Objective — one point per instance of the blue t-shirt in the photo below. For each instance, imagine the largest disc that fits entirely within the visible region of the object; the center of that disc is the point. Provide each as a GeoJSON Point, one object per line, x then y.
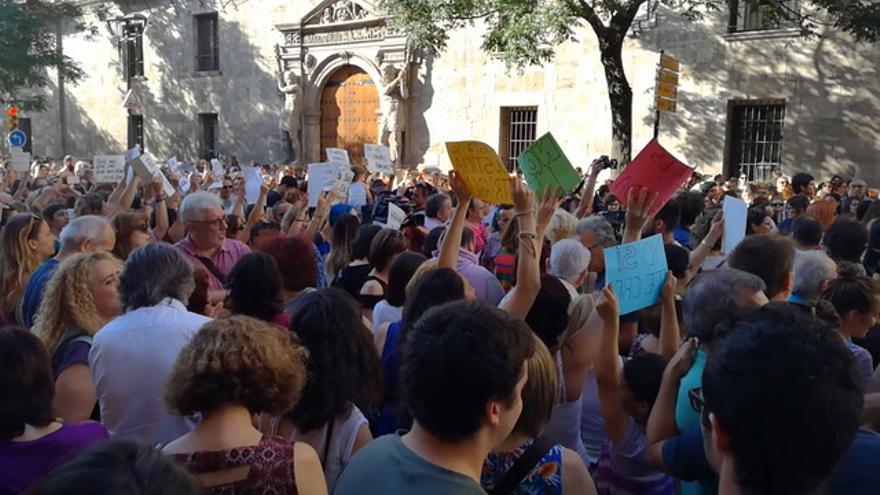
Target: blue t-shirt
{"type": "Point", "coordinates": [682, 235]}
{"type": "Point", "coordinates": [33, 294]}
{"type": "Point", "coordinates": [685, 416]}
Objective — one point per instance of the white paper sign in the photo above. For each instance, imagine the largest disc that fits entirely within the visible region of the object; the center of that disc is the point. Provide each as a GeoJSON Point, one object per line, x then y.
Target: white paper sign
{"type": "Point", "coordinates": [109, 169]}
{"type": "Point", "coordinates": [146, 169]}
{"type": "Point", "coordinates": [72, 180]}
{"type": "Point", "coordinates": [173, 166]}
{"type": "Point", "coordinates": [253, 180]}
{"type": "Point", "coordinates": [396, 216]}
{"type": "Point", "coordinates": [338, 155]}
{"type": "Point", "coordinates": [19, 161]}
{"type": "Point", "coordinates": [343, 185]}
{"type": "Point", "coordinates": [322, 177]}
{"type": "Point", "coordinates": [735, 214]}
{"type": "Point", "coordinates": [184, 184]}
{"type": "Point", "coordinates": [217, 169]}
{"type": "Point", "coordinates": [378, 159]}
{"type": "Point", "coordinates": [132, 153]}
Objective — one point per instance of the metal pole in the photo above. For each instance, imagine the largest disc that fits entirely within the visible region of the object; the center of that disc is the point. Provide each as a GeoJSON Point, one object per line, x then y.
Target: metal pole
{"type": "Point", "coordinates": [656, 107]}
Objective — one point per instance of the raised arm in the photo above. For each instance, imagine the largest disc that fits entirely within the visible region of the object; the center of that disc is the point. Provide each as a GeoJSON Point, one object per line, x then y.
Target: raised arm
{"type": "Point", "coordinates": [670, 332]}
{"type": "Point", "coordinates": [322, 210]}
{"type": "Point", "coordinates": [586, 205]}
{"type": "Point", "coordinates": [638, 208]}
{"type": "Point", "coordinates": [661, 423]}
{"type": "Point", "coordinates": [124, 203]}
{"type": "Point", "coordinates": [116, 195]}
{"type": "Point", "coordinates": [608, 367]}
{"type": "Point", "coordinates": [161, 209]}
{"type": "Point", "coordinates": [448, 257]}
{"type": "Point", "coordinates": [256, 213]}
{"type": "Point", "coordinates": [528, 254]}
{"type": "Point", "coordinates": [699, 255]}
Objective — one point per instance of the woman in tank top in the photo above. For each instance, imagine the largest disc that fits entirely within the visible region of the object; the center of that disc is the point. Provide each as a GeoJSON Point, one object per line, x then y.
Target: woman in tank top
{"type": "Point", "coordinates": [387, 244]}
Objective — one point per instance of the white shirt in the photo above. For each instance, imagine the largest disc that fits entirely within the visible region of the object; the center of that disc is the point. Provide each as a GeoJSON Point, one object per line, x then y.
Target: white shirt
{"type": "Point", "coordinates": [385, 313]}
{"type": "Point", "coordinates": [130, 360]}
{"type": "Point", "coordinates": [432, 223]}
{"type": "Point", "coordinates": [357, 194]}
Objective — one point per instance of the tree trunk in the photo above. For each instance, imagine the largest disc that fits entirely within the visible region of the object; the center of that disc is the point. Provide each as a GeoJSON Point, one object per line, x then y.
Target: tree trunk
{"type": "Point", "coordinates": [619, 97]}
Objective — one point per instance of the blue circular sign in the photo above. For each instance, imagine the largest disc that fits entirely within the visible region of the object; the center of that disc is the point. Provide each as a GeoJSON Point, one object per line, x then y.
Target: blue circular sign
{"type": "Point", "coordinates": [17, 139]}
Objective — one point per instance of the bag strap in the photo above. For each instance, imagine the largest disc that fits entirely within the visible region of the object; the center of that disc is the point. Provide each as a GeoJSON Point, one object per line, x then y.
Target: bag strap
{"type": "Point", "coordinates": [211, 267]}
{"type": "Point", "coordinates": [327, 438]}
{"type": "Point", "coordinates": [522, 466]}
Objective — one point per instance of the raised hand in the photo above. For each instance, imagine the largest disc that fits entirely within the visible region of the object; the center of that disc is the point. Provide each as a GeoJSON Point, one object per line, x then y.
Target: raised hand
{"type": "Point", "coordinates": [608, 307]}
{"type": "Point", "coordinates": [550, 199]}
{"type": "Point", "coordinates": [667, 293]}
{"type": "Point", "coordinates": [523, 197]}
{"type": "Point", "coordinates": [459, 188]}
{"type": "Point", "coordinates": [683, 359]}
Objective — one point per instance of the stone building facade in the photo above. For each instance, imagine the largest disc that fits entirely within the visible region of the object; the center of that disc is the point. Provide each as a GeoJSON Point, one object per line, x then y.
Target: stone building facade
{"type": "Point", "coordinates": [750, 97]}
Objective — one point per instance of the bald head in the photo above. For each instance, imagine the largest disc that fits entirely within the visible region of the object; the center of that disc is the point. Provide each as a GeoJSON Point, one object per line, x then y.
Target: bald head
{"type": "Point", "coordinates": [88, 233]}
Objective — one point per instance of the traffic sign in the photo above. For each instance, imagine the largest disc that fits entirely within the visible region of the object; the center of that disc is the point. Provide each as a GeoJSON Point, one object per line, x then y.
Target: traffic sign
{"type": "Point", "coordinates": [664, 105]}
{"type": "Point", "coordinates": [17, 139]}
{"type": "Point", "coordinates": [666, 90]}
{"type": "Point", "coordinates": [669, 77]}
{"type": "Point", "coordinates": [132, 101]}
{"type": "Point", "coordinates": [667, 62]}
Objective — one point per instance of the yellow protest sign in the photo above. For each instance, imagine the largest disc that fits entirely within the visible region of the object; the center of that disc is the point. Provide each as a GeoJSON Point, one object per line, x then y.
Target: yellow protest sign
{"type": "Point", "coordinates": [481, 170]}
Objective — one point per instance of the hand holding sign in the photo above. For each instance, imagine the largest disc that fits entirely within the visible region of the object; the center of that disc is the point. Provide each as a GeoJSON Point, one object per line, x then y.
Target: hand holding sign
{"type": "Point", "coordinates": [657, 170]}
{"type": "Point", "coordinates": [109, 169]}
{"type": "Point", "coordinates": [481, 170]}
{"type": "Point", "coordinates": [637, 271]}
{"type": "Point", "coordinates": [544, 164]}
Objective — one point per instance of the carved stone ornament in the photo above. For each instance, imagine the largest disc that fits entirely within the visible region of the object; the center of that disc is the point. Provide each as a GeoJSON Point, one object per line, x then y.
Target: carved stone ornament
{"type": "Point", "coordinates": [342, 11]}
{"type": "Point", "coordinates": [291, 38]}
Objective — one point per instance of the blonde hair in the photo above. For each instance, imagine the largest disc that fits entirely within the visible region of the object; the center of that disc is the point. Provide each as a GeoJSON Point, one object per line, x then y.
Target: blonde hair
{"type": "Point", "coordinates": [421, 271]}
{"type": "Point", "coordinates": [16, 257]}
{"type": "Point", "coordinates": [540, 391]}
{"type": "Point", "coordinates": [579, 311]}
{"type": "Point", "coordinates": [562, 225]}
{"type": "Point", "coordinates": [67, 301]}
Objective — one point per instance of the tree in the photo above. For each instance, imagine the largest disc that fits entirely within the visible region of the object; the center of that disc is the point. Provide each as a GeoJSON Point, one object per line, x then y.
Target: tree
{"type": "Point", "coordinates": [525, 32]}
{"type": "Point", "coordinates": [29, 49]}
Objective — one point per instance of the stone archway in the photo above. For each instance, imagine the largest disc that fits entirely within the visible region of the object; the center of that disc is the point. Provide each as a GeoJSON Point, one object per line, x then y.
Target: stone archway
{"type": "Point", "coordinates": [349, 105]}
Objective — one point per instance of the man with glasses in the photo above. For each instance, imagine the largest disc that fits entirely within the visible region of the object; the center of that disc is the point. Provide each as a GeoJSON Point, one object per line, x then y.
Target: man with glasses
{"type": "Point", "coordinates": [853, 201]}
{"type": "Point", "coordinates": [205, 245]}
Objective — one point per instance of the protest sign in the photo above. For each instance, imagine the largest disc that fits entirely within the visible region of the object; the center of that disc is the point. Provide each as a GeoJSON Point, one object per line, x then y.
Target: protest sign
{"type": "Point", "coordinates": [637, 271]}
{"type": "Point", "coordinates": [109, 169]}
{"type": "Point", "coordinates": [173, 166]}
{"type": "Point", "coordinates": [735, 214]}
{"type": "Point", "coordinates": [184, 184]}
{"type": "Point", "coordinates": [545, 165]}
{"type": "Point", "coordinates": [337, 155]}
{"type": "Point", "coordinates": [653, 168]}
{"type": "Point", "coordinates": [378, 159]}
{"type": "Point", "coordinates": [323, 177]}
{"type": "Point", "coordinates": [20, 161]}
{"type": "Point", "coordinates": [253, 181]}
{"type": "Point", "coordinates": [481, 170]}
{"type": "Point", "coordinates": [132, 153]}
{"type": "Point", "coordinates": [217, 169]}
{"type": "Point", "coordinates": [145, 168]}
{"type": "Point", "coordinates": [396, 216]}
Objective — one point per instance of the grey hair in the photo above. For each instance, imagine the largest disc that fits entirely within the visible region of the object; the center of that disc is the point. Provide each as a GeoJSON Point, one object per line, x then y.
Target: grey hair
{"type": "Point", "coordinates": [568, 259]}
{"type": "Point", "coordinates": [715, 296]}
{"type": "Point", "coordinates": [811, 269]}
{"type": "Point", "coordinates": [562, 225]}
{"type": "Point", "coordinates": [85, 228]}
{"type": "Point", "coordinates": [600, 226]}
{"type": "Point", "coordinates": [198, 201]}
{"type": "Point", "coordinates": [155, 272]}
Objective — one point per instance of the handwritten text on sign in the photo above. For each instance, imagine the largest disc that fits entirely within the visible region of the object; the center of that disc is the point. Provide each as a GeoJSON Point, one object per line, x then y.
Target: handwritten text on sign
{"type": "Point", "coordinates": [109, 169]}
{"type": "Point", "coordinates": [653, 168]}
{"type": "Point", "coordinates": [481, 170]}
{"type": "Point", "coordinates": [637, 271]}
{"type": "Point", "coordinates": [544, 164]}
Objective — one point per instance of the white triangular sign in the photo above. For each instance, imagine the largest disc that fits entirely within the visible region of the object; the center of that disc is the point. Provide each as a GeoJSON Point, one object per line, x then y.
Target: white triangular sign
{"type": "Point", "coordinates": [132, 101]}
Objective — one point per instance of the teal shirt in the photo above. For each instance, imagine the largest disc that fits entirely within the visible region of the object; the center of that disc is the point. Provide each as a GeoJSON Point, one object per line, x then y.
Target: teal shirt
{"type": "Point", "coordinates": [685, 416]}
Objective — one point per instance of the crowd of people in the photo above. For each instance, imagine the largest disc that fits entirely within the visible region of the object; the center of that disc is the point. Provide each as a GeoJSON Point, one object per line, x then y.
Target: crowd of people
{"type": "Point", "coordinates": [202, 343]}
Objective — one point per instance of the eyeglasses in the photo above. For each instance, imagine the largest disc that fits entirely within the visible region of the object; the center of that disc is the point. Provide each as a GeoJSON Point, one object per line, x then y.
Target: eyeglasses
{"type": "Point", "coordinates": [218, 222]}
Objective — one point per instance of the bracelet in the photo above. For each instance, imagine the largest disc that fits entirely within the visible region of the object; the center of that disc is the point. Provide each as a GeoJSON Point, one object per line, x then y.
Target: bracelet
{"type": "Point", "coordinates": [531, 237]}
{"type": "Point", "coordinates": [528, 234]}
{"type": "Point", "coordinates": [524, 213]}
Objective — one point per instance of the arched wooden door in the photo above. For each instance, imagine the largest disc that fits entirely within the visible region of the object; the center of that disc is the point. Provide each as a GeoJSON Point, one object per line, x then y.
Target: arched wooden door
{"type": "Point", "coordinates": [349, 104]}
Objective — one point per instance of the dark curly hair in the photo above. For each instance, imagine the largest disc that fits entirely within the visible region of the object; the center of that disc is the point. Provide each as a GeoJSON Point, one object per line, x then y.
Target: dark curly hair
{"type": "Point", "coordinates": [238, 360]}
{"type": "Point", "coordinates": [344, 366]}
{"type": "Point", "coordinates": [296, 261]}
{"type": "Point", "coordinates": [254, 286]}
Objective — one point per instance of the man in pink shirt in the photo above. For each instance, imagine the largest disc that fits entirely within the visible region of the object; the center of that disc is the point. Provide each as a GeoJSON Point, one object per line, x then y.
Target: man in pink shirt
{"type": "Point", "coordinates": [206, 246]}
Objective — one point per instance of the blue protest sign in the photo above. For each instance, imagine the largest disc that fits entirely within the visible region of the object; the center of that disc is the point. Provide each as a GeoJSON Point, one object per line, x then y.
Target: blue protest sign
{"type": "Point", "coordinates": [636, 271]}
{"type": "Point", "coordinates": [17, 138]}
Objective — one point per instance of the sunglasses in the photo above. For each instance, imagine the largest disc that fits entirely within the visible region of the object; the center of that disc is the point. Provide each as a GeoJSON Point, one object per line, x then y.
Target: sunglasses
{"type": "Point", "coordinates": [698, 404]}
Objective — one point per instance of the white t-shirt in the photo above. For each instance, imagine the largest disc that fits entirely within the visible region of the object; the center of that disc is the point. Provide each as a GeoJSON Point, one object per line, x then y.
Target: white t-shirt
{"type": "Point", "coordinates": [385, 313]}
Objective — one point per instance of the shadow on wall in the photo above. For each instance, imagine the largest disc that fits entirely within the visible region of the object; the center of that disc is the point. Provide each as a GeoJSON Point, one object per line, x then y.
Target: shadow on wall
{"type": "Point", "coordinates": [84, 137]}
{"type": "Point", "coordinates": [421, 98]}
{"type": "Point", "coordinates": [243, 93]}
{"type": "Point", "coordinates": [830, 86]}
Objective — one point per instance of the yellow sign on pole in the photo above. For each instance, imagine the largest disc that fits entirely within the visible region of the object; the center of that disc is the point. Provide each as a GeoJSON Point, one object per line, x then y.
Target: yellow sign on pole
{"type": "Point", "coordinates": [667, 62]}
{"type": "Point", "coordinates": [667, 90]}
{"type": "Point", "coordinates": [664, 105]}
{"type": "Point", "coordinates": [668, 77]}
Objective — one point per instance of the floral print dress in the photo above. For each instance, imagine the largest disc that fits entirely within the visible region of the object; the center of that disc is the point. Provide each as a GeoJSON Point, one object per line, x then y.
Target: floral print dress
{"type": "Point", "coordinates": [544, 479]}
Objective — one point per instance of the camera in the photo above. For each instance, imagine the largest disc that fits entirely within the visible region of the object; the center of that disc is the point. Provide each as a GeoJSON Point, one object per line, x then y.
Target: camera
{"type": "Point", "coordinates": [607, 163]}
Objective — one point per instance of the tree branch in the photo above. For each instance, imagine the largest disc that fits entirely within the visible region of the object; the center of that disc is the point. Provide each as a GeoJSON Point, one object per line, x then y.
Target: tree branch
{"type": "Point", "coordinates": [587, 11]}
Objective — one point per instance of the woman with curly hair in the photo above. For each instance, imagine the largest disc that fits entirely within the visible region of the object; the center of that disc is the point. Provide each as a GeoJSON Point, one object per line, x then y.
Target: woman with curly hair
{"type": "Point", "coordinates": [25, 243]}
{"type": "Point", "coordinates": [344, 376]}
{"type": "Point", "coordinates": [231, 370]}
{"type": "Point", "coordinates": [81, 297]}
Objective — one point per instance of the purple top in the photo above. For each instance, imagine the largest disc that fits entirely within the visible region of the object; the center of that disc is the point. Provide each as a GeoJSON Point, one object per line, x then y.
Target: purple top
{"type": "Point", "coordinates": [224, 259]}
{"type": "Point", "coordinates": [485, 284]}
{"type": "Point", "coordinates": [624, 467]}
{"type": "Point", "coordinates": [69, 353]}
{"type": "Point", "coordinates": [24, 463]}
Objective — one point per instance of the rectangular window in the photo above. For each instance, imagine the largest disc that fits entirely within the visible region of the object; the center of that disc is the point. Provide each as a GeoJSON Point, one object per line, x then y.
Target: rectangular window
{"type": "Point", "coordinates": [136, 131]}
{"type": "Point", "coordinates": [519, 129]}
{"type": "Point", "coordinates": [754, 130]}
{"type": "Point", "coordinates": [210, 135]}
{"type": "Point", "coordinates": [134, 49]}
{"type": "Point", "coordinates": [24, 125]}
{"type": "Point", "coordinates": [748, 15]}
{"type": "Point", "coordinates": [207, 42]}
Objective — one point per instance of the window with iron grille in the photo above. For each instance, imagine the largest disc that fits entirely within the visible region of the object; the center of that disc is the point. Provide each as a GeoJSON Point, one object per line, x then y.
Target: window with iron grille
{"type": "Point", "coordinates": [754, 130]}
{"type": "Point", "coordinates": [210, 135]}
{"type": "Point", "coordinates": [136, 131]}
{"type": "Point", "coordinates": [207, 42]}
{"type": "Point", "coordinates": [754, 15]}
{"type": "Point", "coordinates": [519, 129]}
{"type": "Point", "coordinates": [134, 49]}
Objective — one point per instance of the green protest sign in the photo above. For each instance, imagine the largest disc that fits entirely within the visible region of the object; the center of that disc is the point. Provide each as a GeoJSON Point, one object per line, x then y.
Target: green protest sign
{"type": "Point", "coordinates": [544, 164]}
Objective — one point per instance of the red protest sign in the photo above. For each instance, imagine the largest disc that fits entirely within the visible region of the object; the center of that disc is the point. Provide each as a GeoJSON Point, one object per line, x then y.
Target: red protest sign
{"type": "Point", "coordinates": [655, 169]}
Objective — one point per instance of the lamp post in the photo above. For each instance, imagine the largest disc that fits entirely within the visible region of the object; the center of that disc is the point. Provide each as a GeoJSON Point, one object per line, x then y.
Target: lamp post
{"type": "Point", "coordinates": [127, 29]}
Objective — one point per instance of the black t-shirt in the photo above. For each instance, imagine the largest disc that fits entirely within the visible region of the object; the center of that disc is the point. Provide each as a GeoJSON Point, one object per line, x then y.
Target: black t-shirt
{"type": "Point", "coordinates": [272, 198]}
{"type": "Point", "coordinates": [352, 278]}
